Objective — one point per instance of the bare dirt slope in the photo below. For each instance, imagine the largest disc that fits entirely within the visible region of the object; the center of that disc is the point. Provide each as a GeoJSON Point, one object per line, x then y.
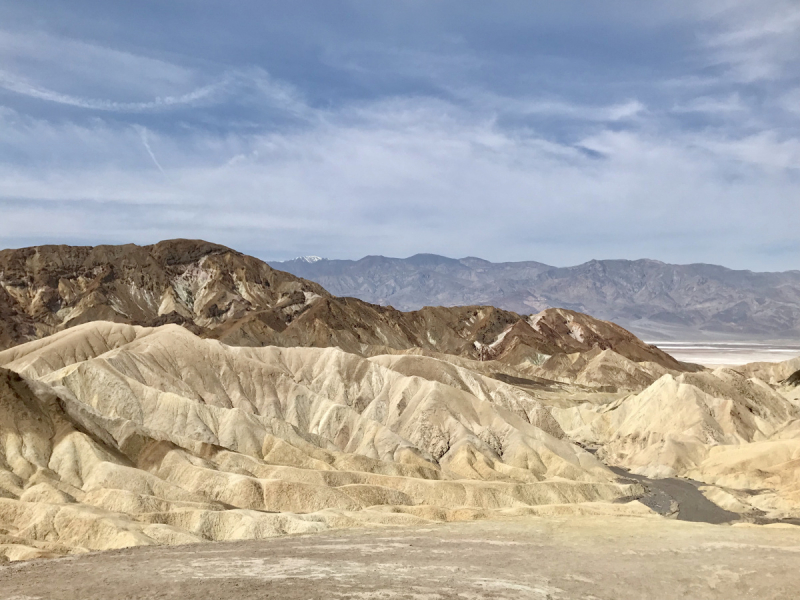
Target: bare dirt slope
{"type": "Point", "coordinates": [259, 405]}
{"type": "Point", "coordinates": [571, 558]}
{"type": "Point", "coordinates": [734, 430]}
{"type": "Point", "coordinates": [116, 436]}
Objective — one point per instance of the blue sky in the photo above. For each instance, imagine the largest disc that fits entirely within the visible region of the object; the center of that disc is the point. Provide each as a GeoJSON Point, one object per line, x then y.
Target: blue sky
{"type": "Point", "coordinates": [557, 132]}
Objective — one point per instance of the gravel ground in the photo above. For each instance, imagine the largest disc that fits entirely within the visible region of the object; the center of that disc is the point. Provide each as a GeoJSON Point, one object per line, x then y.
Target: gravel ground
{"type": "Point", "coordinates": [587, 558]}
{"type": "Point", "coordinates": [679, 496]}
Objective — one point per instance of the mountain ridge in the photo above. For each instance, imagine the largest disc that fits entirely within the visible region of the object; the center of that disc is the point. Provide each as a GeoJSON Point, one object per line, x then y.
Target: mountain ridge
{"type": "Point", "coordinates": [649, 297]}
{"type": "Point", "coordinates": [219, 293]}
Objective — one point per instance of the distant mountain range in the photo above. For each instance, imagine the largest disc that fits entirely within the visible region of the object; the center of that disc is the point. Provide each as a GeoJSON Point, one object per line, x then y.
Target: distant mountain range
{"type": "Point", "coordinates": [653, 299]}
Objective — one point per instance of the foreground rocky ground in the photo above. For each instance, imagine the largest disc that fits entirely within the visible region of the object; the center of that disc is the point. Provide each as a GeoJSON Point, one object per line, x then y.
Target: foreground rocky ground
{"type": "Point", "coordinates": [553, 558]}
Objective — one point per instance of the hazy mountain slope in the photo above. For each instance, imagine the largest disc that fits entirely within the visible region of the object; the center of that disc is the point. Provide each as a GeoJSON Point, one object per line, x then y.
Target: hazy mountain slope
{"type": "Point", "coordinates": [222, 294]}
{"type": "Point", "coordinates": [649, 297]}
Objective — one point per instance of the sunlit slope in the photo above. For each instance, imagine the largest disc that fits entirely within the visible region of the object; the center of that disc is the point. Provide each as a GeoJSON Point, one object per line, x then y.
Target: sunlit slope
{"type": "Point", "coordinates": [116, 435]}
{"type": "Point", "coordinates": [726, 428]}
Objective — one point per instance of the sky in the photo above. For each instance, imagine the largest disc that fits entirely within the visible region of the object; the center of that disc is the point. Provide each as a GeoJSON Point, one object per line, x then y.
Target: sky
{"type": "Point", "coordinates": [512, 130]}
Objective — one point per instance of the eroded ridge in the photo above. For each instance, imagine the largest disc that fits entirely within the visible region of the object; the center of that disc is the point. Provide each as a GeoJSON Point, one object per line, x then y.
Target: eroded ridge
{"type": "Point", "coordinates": [117, 435]}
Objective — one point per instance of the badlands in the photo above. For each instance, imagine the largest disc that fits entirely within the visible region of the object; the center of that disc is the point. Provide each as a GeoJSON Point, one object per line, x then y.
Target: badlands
{"type": "Point", "coordinates": [183, 393]}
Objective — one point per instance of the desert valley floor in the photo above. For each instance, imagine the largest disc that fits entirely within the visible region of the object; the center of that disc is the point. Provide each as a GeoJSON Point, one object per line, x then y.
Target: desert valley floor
{"type": "Point", "coordinates": [534, 558]}
{"type": "Point", "coordinates": [713, 354]}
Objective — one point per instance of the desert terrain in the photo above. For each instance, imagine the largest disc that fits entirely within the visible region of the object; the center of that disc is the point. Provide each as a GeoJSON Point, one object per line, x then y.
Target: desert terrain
{"type": "Point", "coordinates": [183, 393]}
{"type": "Point", "coordinates": [400, 300]}
{"type": "Point", "coordinates": [535, 558]}
{"type": "Point", "coordinates": [730, 353]}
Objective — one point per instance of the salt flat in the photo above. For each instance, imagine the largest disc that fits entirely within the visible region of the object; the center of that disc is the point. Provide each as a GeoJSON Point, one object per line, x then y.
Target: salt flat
{"type": "Point", "coordinates": [730, 353]}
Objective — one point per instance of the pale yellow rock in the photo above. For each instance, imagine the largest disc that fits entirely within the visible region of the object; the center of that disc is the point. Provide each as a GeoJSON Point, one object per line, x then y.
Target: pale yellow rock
{"type": "Point", "coordinates": [117, 436]}
{"type": "Point", "coordinates": [727, 428]}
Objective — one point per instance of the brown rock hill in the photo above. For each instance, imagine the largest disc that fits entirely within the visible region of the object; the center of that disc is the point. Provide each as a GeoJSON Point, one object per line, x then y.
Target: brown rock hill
{"type": "Point", "coordinates": [222, 294]}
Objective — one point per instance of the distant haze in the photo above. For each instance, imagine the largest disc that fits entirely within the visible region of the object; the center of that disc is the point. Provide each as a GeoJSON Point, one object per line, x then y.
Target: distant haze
{"type": "Point", "coordinates": [655, 300]}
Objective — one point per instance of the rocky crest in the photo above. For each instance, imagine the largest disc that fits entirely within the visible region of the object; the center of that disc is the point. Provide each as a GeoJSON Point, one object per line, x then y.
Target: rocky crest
{"type": "Point", "coordinates": [222, 294]}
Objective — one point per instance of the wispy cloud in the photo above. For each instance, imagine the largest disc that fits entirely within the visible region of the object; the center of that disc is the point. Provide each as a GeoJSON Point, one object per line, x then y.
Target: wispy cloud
{"type": "Point", "coordinates": [348, 184]}
{"type": "Point", "coordinates": [532, 105]}
{"type": "Point", "coordinates": [458, 136]}
{"type": "Point", "coordinates": [46, 67]}
{"type": "Point", "coordinates": [755, 39]}
{"type": "Point", "coordinates": [143, 135]}
{"type": "Point", "coordinates": [712, 105]}
{"type": "Point", "coordinates": [227, 87]}
{"type": "Point", "coordinates": [19, 86]}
